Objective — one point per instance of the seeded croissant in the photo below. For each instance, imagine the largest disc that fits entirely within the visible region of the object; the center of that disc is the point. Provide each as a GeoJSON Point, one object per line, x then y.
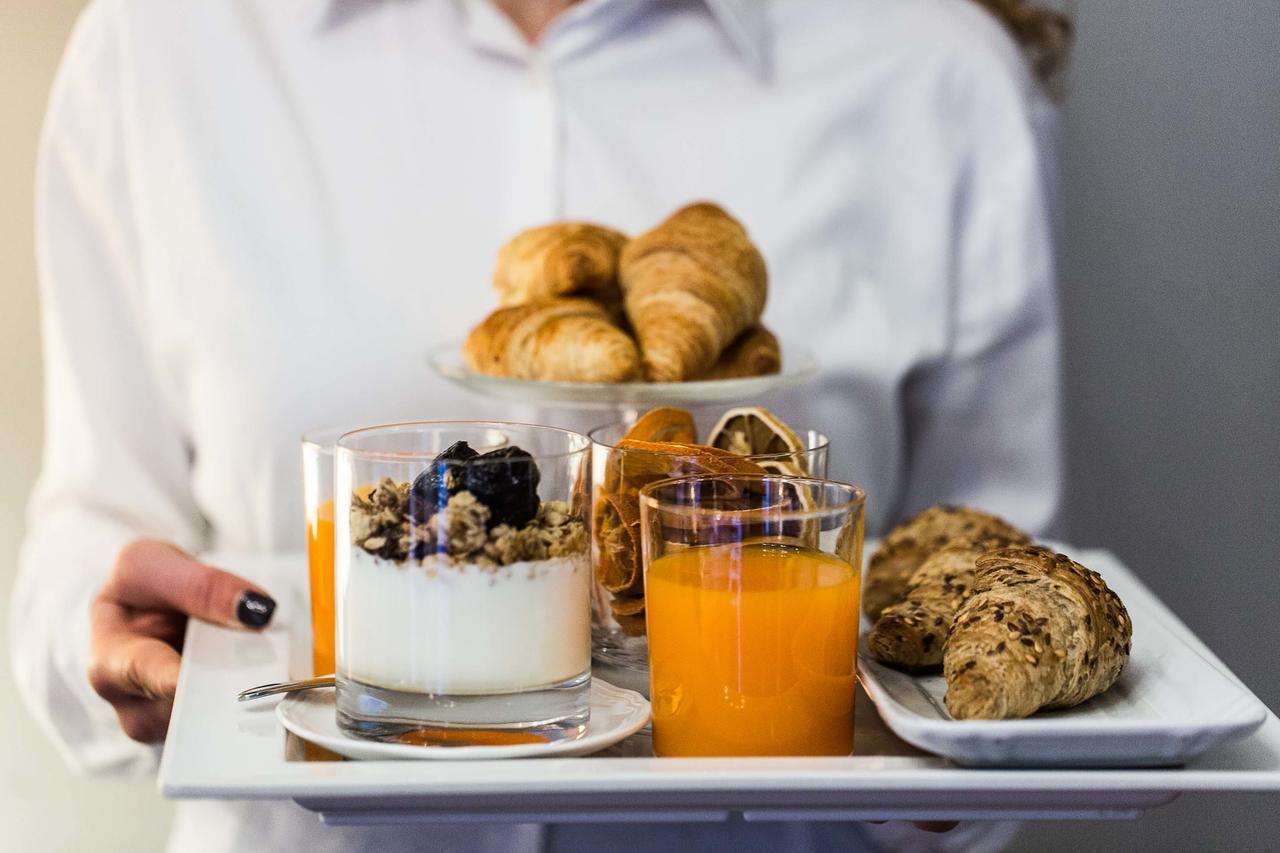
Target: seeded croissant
{"type": "Point", "coordinates": [561, 259]}
{"type": "Point", "coordinates": [911, 632]}
{"type": "Point", "coordinates": [564, 340]}
{"type": "Point", "coordinates": [910, 543]}
{"type": "Point", "coordinates": [1039, 632]}
{"type": "Point", "coordinates": [690, 287]}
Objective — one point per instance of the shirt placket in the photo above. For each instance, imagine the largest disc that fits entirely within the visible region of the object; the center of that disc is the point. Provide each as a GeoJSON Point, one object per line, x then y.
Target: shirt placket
{"type": "Point", "coordinates": [532, 149]}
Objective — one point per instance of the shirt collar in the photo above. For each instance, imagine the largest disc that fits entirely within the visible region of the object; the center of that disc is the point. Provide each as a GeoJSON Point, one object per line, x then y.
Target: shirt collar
{"type": "Point", "coordinates": [744, 22]}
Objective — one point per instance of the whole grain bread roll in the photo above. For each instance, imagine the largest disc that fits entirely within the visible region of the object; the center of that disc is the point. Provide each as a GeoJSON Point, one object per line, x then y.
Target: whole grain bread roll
{"type": "Point", "coordinates": [1040, 631]}
{"type": "Point", "coordinates": [911, 632]}
{"type": "Point", "coordinates": [912, 542]}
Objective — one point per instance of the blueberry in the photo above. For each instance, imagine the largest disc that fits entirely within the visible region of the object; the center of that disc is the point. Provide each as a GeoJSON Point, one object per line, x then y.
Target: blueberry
{"type": "Point", "coordinates": [439, 481]}
{"type": "Point", "coordinates": [459, 451]}
{"type": "Point", "coordinates": [506, 481]}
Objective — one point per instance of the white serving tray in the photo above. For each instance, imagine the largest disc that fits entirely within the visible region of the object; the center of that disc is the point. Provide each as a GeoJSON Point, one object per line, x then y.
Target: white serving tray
{"type": "Point", "coordinates": [1173, 702]}
{"type": "Point", "coordinates": [218, 748]}
{"type": "Point", "coordinates": [798, 365]}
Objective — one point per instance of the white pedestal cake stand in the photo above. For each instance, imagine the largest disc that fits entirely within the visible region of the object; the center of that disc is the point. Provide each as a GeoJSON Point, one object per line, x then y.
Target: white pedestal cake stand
{"type": "Point", "coordinates": [621, 398]}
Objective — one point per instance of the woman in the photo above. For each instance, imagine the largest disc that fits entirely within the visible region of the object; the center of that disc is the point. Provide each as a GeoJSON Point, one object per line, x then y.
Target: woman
{"type": "Point", "coordinates": [256, 218]}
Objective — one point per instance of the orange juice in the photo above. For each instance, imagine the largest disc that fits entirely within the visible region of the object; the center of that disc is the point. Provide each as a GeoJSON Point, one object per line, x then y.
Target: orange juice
{"type": "Point", "coordinates": [751, 651]}
{"type": "Point", "coordinates": [320, 561]}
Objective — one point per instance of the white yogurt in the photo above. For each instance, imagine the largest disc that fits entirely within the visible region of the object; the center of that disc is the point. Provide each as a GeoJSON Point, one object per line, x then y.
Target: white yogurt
{"type": "Point", "coordinates": [461, 629]}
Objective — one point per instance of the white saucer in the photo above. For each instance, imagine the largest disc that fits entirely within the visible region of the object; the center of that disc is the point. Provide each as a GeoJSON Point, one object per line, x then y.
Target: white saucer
{"type": "Point", "coordinates": [615, 714]}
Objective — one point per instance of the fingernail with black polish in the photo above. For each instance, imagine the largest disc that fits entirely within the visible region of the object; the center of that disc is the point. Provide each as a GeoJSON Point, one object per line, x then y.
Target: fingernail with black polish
{"type": "Point", "coordinates": [255, 609]}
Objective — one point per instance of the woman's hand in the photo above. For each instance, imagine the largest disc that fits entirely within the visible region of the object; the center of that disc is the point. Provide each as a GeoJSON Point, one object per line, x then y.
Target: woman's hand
{"type": "Point", "coordinates": [137, 622]}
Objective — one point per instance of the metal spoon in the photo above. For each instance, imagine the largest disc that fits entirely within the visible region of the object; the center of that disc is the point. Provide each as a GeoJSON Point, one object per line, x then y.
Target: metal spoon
{"type": "Point", "coordinates": [285, 687]}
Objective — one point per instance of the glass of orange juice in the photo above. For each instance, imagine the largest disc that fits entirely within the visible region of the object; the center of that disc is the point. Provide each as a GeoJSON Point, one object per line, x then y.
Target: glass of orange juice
{"type": "Point", "coordinates": [751, 600]}
{"type": "Point", "coordinates": [317, 499]}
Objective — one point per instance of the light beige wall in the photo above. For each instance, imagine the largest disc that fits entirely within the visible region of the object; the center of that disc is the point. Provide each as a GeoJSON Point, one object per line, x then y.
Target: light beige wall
{"type": "Point", "coordinates": [43, 806]}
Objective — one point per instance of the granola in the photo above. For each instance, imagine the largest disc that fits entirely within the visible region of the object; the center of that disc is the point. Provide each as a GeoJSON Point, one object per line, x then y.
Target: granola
{"type": "Point", "coordinates": [383, 525]}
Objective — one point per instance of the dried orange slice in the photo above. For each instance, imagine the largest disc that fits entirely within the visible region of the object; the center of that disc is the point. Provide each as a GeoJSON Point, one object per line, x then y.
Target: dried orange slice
{"type": "Point", "coordinates": [756, 431]}
{"type": "Point", "coordinates": [632, 626]}
{"type": "Point", "coordinates": [783, 467]}
{"type": "Point", "coordinates": [634, 465]}
{"type": "Point", "coordinates": [646, 461]}
{"type": "Point", "coordinates": [618, 544]}
{"type": "Point", "coordinates": [665, 423]}
{"type": "Point", "coordinates": [627, 606]}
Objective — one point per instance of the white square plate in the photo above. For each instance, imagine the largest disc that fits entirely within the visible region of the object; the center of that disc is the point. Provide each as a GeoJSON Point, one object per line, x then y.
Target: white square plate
{"type": "Point", "coordinates": [1173, 702]}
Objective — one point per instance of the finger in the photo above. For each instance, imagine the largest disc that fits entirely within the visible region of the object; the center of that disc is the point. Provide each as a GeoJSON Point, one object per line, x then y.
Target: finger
{"type": "Point", "coordinates": [111, 616]}
{"type": "Point", "coordinates": [108, 633]}
{"type": "Point", "coordinates": [155, 575]}
{"type": "Point", "coordinates": [166, 625]}
{"type": "Point", "coordinates": [145, 720]}
{"type": "Point", "coordinates": [129, 667]}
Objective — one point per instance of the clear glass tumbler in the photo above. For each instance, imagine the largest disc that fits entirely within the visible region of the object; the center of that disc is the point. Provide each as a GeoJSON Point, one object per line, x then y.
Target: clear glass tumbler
{"type": "Point", "coordinates": [618, 623]}
{"type": "Point", "coordinates": [317, 500]}
{"type": "Point", "coordinates": [752, 587]}
{"type": "Point", "coordinates": [463, 582]}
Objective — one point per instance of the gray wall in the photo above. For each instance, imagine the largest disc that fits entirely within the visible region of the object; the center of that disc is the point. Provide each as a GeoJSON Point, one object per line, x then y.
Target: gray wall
{"type": "Point", "coordinates": [1171, 300]}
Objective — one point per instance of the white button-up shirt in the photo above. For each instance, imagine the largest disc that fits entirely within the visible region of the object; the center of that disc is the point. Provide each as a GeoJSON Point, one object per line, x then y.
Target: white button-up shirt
{"type": "Point", "coordinates": [258, 217]}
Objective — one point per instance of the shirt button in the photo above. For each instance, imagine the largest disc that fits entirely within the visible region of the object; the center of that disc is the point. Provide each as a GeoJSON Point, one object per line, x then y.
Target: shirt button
{"type": "Point", "coordinates": [538, 73]}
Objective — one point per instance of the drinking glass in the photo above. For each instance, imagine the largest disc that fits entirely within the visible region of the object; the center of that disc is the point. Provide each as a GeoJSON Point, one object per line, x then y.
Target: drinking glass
{"type": "Point", "coordinates": [618, 623]}
{"type": "Point", "coordinates": [752, 587]}
{"type": "Point", "coordinates": [463, 582]}
{"type": "Point", "coordinates": [317, 500]}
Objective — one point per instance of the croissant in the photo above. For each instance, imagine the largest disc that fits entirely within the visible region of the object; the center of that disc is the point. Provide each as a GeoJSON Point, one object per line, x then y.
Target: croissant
{"type": "Point", "coordinates": [1039, 632]}
{"type": "Point", "coordinates": [690, 286]}
{"type": "Point", "coordinates": [565, 340]}
{"type": "Point", "coordinates": [911, 542]}
{"type": "Point", "coordinates": [753, 353]}
{"type": "Point", "coordinates": [558, 260]}
{"type": "Point", "coordinates": [911, 632]}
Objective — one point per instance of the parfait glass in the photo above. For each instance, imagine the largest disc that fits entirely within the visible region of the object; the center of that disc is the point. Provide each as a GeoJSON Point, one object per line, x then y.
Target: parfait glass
{"type": "Point", "coordinates": [463, 582]}
{"type": "Point", "coordinates": [752, 586]}
{"type": "Point", "coordinates": [618, 592]}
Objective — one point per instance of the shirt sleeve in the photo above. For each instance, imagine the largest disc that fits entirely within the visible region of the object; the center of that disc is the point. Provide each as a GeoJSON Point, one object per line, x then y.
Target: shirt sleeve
{"type": "Point", "coordinates": [115, 465]}
{"type": "Point", "coordinates": [984, 418]}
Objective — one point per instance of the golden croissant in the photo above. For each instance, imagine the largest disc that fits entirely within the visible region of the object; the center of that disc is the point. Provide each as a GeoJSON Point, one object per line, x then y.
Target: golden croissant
{"type": "Point", "coordinates": [691, 286]}
{"type": "Point", "coordinates": [754, 353]}
{"type": "Point", "coordinates": [1040, 631]}
{"type": "Point", "coordinates": [564, 340]}
{"type": "Point", "coordinates": [558, 260]}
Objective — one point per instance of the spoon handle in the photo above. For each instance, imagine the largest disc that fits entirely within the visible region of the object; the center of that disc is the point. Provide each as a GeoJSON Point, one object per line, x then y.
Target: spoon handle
{"type": "Point", "coordinates": [285, 687]}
